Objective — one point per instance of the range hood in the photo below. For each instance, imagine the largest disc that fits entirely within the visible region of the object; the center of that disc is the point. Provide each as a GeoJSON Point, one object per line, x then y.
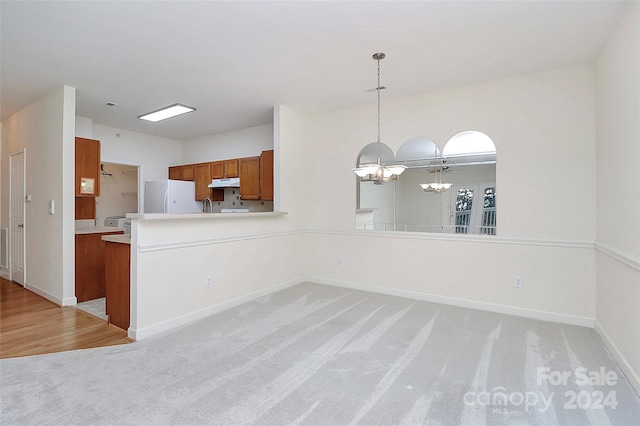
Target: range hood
{"type": "Point", "coordinates": [225, 183]}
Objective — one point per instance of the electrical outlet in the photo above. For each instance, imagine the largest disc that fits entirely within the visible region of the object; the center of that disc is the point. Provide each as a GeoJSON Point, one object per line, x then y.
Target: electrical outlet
{"type": "Point", "coordinates": [207, 282]}
{"type": "Point", "coordinates": [339, 260]}
{"type": "Point", "coordinates": [517, 282]}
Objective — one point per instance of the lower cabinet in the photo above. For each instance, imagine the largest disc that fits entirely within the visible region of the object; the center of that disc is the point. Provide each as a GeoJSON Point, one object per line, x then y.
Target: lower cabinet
{"type": "Point", "coordinates": [117, 269]}
{"type": "Point", "coordinates": [90, 266]}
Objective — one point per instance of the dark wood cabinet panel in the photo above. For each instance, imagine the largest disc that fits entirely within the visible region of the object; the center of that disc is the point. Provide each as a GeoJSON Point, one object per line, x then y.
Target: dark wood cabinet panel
{"type": "Point", "coordinates": [203, 179]}
{"type": "Point", "coordinates": [175, 173]}
{"type": "Point", "coordinates": [249, 178]}
{"type": "Point", "coordinates": [231, 168]}
{"type": "Point", "coordinates": [224, 169]}
{"type": "Point", "coordinates": [182, 172]}
{"type": "Point", "coordinates": [266, 175]}
{"type": "Point", "coordinates": [217, 169]}
{"type": "Point", "coordinates": [87, 167]}
{"type": "Point", "coordinates": [117, 260]}
{"type": "Point", "coordinates": [85, 208]}
{"type": "Point", "coordinates": [90, 266]}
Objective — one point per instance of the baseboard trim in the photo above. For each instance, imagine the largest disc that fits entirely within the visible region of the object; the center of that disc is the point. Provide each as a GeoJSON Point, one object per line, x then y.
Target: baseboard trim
{"type": "Point", "coordinates": [627, 369]}
{"type": "Point", "coordinates": [50, 297]}
{"type": "Point", "coordinates": [4, 274]}
{"type": "Point", "coordinates": [463, 303]}
{"type": "Point", "coordinates": [174, 323]}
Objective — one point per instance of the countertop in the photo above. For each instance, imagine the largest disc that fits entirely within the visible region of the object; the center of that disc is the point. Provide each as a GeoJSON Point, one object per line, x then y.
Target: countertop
{"type": "Point", "coordinates": [99, 230]}
{"type": "Point", "coordinates": [119, 238]}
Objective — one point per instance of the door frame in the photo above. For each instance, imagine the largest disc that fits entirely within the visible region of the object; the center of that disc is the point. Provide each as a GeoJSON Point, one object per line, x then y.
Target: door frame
{"type": "Point", "coordinates": [11, 243]}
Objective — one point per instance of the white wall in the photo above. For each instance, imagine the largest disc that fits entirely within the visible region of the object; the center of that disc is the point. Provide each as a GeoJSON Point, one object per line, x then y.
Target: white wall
{"type": "Point", "coordinates": [118, 192]}
{"type": "Point", "coordinates": [543, 128]}
{"type": "Point", "coordinates": [618, 185]}
{"type": "Point", "coordinates": [153, 154]}
{"type": "Point", "coordinates": [248, 142]}
{"type": "Point", "coordinates": [46, 130]}
{"type": "Point", "coordinates": [245, 255]}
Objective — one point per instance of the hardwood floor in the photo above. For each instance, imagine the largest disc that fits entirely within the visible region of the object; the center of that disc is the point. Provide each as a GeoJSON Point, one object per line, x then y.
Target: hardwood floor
{"type": "Point", "coordinates": [32, 325]}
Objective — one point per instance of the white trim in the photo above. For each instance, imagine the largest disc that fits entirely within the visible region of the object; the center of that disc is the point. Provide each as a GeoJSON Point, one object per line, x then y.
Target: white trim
{"type": "Point", "coordinates": [618, 255]}
{"type": "Point", "coordinates": [211, 241]}
{"type": "Point", "coordinates": [173, 323]}
{"type": "Point", "coordinates": [464, 303]}
{"type": "Point", "coordinates": [627, 369]}
{"type": "Point", "coordinates": [5, 274]}
{"type": "Point", "coordinates": [50, 297]}
{"type": "Point", "coordinates": [388, 234]}
{"type": "Point", "coordinates": [488, 239]}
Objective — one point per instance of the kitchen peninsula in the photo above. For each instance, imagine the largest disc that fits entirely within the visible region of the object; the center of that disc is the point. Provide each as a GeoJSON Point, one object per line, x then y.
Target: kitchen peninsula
{"type": "Point", "coordinates": [187, 266]}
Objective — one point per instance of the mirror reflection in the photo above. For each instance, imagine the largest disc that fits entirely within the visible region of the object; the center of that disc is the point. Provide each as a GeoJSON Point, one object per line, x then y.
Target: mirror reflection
{"type": "Point", "coordinates": [448, 191]}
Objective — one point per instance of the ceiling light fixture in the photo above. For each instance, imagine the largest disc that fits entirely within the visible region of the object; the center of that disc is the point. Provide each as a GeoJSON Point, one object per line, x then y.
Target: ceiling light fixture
{"type": "Point", "coordinates": [166, 112]}
{"type": "Point", "coordinates": [378, 172]}
{"type": "Point", "coordinates": [437, 186]}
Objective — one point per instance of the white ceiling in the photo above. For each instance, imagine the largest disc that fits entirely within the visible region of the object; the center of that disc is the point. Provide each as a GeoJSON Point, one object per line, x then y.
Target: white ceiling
{"type": "Point", "coordinates": [234, 60]}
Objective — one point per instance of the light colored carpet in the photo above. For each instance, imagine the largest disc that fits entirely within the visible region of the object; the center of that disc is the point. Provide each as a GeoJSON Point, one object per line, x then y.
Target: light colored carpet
{"type": "Point", "coordinates": [321, 355]}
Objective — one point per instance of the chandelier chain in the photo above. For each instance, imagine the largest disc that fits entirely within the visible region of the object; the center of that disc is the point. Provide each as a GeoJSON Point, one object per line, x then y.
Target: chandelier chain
{"type": "Point", "coordinates": [378, 89]}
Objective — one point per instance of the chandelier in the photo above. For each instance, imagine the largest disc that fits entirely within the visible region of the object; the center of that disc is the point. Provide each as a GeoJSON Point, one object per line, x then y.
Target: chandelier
{"type": "Point", "coordinates": [437, 186]}
{"type": "Point", "coordinates": [378, 172]}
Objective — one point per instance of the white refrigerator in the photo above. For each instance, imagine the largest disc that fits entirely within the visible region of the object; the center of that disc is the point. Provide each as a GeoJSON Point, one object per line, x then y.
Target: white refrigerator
{"type": "Point", "coordinates": [170, 196]}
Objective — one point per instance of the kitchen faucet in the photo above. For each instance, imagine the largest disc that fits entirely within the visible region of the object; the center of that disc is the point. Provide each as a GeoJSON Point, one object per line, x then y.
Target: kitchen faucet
{"type": "Point", "coordinates": [204, 205]}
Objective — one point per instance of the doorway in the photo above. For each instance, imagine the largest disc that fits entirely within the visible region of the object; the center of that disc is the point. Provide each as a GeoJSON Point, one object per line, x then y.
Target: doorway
{"type": "Point", "coordinates": [16, 218]}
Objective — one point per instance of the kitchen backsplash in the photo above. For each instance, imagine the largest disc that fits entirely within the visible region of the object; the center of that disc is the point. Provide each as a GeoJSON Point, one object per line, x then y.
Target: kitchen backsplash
{"type": "Point", "coordinates": [232, 201]}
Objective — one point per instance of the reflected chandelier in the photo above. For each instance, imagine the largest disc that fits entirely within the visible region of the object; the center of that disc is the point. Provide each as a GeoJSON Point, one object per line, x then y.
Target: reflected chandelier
{"type": "Point", "coordinates": [437, 186]}
{"type": "Point", "coordinates": [378, 172]}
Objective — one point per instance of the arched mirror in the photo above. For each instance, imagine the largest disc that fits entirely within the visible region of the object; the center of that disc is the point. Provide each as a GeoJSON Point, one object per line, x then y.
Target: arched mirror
{"type": "Point", "coordinates": [448, 191]}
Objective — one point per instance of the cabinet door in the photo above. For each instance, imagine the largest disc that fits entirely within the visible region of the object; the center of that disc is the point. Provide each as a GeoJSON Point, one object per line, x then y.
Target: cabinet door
{"type": "Point", "coordinates": [87, 167]}
{"type": "Point", "coordinates": [249, 178]}
{"type": "Point", "coordinates": [188, 172]}
{"type": "Point", "coordinates": [231, 168]}
{"type": "Point", "coordinates": [117, 270]}
{"type": "Point", "coordinates": [217, 169]}
{"type": "Point", "coordinates": [90, 266]}
{"type": "Point", "coordinates": [266, 175]}
{"type": "Point", "coordinates": [203, 179]}
{"type": "Point", "coordinates": [175, 173]}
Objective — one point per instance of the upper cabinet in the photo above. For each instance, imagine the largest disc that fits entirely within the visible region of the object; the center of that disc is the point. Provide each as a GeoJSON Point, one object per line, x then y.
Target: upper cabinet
{"type": "Point", "coordinates": [255, 173]}
{"type": "Point", "coordinates": [202, 178]}
{"type": "Point", "coordinates": [87, 165]}
{"type": "Point", "coordinates": [182, 172]}
{"type": "Point", "coordinates": [256, 177]}
{"type": "Point", "coordinates": [224, 169]}
{"type": "Point", "coordinates": [249, 178]}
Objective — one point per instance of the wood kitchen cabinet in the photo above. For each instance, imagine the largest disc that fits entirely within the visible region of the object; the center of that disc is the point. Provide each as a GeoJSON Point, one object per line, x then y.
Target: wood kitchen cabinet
{"type": "Point", "coordinates": [249, 178]}
{"type": "Point", "coordinates": [203, 179]}
{"type": "Point", "coordinates": [87, 167]}
{"type": "Point", "coordinates": [266, 175]}
{"type": "Point", "coordinates": [90, 266]}
{"type": "Point", "coordinates": [224, 169]}
{"type": "Point", "coordinates": [186, 172]}
{"type": "Point", "coordinates": [118, 268]}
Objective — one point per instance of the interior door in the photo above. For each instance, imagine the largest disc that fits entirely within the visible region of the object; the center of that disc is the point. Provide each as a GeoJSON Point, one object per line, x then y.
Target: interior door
{"type": "Point", "coordinates": [472, 209]}
{"type": "Point", "coordinates": [17, 240]}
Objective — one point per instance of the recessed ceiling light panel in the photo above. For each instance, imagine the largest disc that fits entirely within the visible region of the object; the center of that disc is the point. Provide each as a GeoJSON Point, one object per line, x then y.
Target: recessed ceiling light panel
{"type": "Point", "coordinates": [167, 112]}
